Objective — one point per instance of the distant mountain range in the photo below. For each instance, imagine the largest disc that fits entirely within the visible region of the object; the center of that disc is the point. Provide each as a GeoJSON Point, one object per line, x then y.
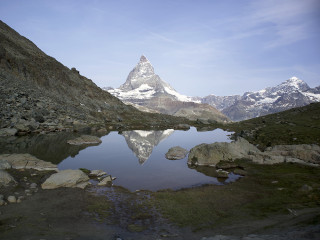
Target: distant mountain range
{"type": "Point", "coordinates": [293, 92]}
{"type": "Point", "coordinates": [148, 92]}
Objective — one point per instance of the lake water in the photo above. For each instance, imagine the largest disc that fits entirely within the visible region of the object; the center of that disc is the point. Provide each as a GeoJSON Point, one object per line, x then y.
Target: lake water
{"type": "Point", "coordinates": [135, 158]}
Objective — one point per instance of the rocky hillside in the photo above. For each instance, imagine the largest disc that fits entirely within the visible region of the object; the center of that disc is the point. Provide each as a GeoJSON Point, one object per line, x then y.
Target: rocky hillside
{"type": "Point", "coordinates": [294, 126]}
{"type": "Point", "coordinates": [37, 93]}
{"type": "Point", "coordinates": [292, 93]}
{"type": "Point", "coordinates": [146, 90]}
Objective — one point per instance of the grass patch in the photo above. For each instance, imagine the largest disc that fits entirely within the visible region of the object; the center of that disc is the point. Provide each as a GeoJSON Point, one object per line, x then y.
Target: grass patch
{"type": "Point", "coordinates": [100, 206]}
{"type": "Point", "coordinates": [267, 190]}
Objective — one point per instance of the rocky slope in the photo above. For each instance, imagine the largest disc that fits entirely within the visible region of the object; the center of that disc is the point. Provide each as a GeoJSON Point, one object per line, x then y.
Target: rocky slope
{"type": "Point", "coordinates": [289, 94]}
{"type": "Point", "coordinates": [37, 93]}
{"type": "Point", "coordinates": [144, 89]}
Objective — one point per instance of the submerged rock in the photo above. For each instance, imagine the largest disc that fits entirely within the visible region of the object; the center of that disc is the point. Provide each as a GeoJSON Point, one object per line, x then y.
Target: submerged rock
{"type": "Point", "coordinates": [66, 178]}
{"type": "Point", "coordinates": [85, 139]}
{"type": "Point", "coordinates": [26, 161]}
{"type": "Point", "coordinates": [176, 153]}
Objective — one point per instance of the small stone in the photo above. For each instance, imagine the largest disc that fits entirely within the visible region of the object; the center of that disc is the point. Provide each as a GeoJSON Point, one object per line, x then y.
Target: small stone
{"type": "Point", "coordinates": [274, 182]}
{"type": "Point", "coordinates": [12, 199]}
{"type": "Point", "coordinates": [33, 185]}
{"type": "Point", "coordinates": [176, 153]}
{"type": "Point", "coordinates": [21, 198]}
{"type": "Point", "coordinates": [222, 174]}
{"type": "Point", "coordinates": [2, 202]}
{"type": "Point", "coordinates": [27, 191]}
{"type": "Point", "coordinates": [97, 173]}
{"type": "Point", "coordinates": [1, 197]}
{"type": "Point", "coordinates": [306, 188]}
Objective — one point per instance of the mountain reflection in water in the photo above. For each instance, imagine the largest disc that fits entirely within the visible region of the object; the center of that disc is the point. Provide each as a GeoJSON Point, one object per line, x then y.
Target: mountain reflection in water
{"type": "Point", "coordinates": [142, 142]}
{"type": "Point", "coordinates": [147, 168]}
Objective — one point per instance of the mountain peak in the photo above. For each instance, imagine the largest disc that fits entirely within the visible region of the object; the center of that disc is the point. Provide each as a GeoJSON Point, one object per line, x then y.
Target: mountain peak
{"type": "Point", "coordinates": [294, 78]}
{"type": "Point", "coordinates": [143, 58]}
{"type": "Point", "coordinates": [296, 83]}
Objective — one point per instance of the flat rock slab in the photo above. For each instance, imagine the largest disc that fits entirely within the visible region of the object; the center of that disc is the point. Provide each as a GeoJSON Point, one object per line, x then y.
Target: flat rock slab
{"type": "Point", "coordinates": [66, 178]}
{"type": "Point", "coordinates": [25, 161]}
{"type": "Point", "coordinates": [85, 140]}
{"type": "Point", "coordinates": [176, 153]}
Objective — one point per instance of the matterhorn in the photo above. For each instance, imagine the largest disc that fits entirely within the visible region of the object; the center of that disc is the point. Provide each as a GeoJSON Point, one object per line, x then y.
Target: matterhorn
{"type": "Point", "coordinates": [148, 92]}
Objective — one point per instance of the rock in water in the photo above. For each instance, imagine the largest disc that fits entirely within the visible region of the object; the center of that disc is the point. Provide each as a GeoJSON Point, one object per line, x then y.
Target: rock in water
{"type": "Point", "coordinates": [105, 181]}
{"type": "Point", "coordinates": [212, 154]}
{"type": "Point", "coordinates": [176, 153]}
{"type": "Point", "coordinates": [97, 173]}
{"type": "Point", "coordinates": [85, 139]}
{"type": "Point", "coordinates": [66, 178]}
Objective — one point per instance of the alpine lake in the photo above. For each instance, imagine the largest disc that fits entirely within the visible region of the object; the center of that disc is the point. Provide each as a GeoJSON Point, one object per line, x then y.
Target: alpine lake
{"type": "Point", "coordinates": [135, 158]}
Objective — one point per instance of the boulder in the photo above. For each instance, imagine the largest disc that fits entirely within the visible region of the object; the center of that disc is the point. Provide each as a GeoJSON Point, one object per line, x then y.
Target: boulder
{"type": "Point", "coordinates": [105, 181]}
{"type": "Point", "coordinates": [26, 161]}
{"type": "Point", "coordinates": [212, 154]}
{"type": "Point", "coordinates": [66, 178]}
{"type": "Point", "coordinates": [85, 140]}
{"type": "Point", "coordinates": [5, 178]}
{"type": "Point", "coordinates": [8, 132]}
{"type": "Point", "coordinates": [176, 153]}
{"type": "Point", "coordinates": [4, 164]}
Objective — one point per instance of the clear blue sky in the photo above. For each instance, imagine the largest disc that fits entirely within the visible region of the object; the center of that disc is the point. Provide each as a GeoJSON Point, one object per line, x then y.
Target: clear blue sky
{"type": "Point", "coordinates": [199, 47]}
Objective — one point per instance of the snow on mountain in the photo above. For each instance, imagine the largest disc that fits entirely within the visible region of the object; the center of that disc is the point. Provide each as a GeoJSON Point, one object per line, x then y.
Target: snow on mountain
{"type": "Point", "coordinates": [142, 83]}
{"type": "Point", "coordinates": [147, 91]}
{"type": "Point", "coordinates": [293, 92]}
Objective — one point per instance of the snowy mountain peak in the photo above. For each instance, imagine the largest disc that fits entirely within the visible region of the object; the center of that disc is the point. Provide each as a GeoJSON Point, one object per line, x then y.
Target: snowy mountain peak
{"type": "Point", "coordinates": [142, 83]}
{"type": "Point", "coordinates": [294, 83]}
